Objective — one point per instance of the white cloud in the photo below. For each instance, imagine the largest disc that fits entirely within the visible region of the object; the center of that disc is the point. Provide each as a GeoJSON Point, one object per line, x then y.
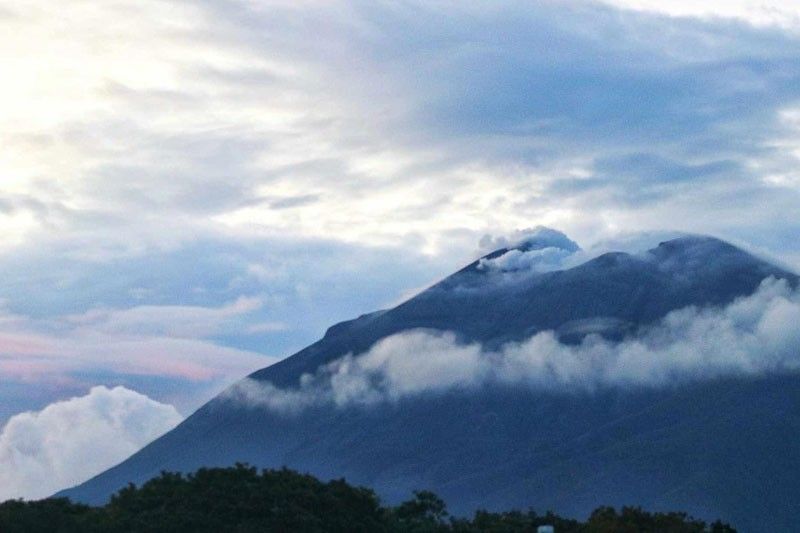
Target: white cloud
{"type": "Point", "coordinates": [537, 249]}
{"type": "Point", "coordinates": [541, 260]}
{"type": "Point", "coordinates": [68, 442]}
{"type": "Point", "coordinates": [753, 335]}
{"type": "Point", "coordinates": [757, 12]}
{"type": "Point", "coordinates": [538, 237]}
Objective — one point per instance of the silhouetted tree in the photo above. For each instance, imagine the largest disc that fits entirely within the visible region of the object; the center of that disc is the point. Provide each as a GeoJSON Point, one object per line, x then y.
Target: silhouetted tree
{"type": "Point", "coordinates": [241, 499]}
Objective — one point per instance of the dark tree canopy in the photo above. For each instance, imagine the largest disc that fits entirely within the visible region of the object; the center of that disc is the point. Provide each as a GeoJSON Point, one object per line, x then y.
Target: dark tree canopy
{"type": "Point", "coordinates": [242, 499]}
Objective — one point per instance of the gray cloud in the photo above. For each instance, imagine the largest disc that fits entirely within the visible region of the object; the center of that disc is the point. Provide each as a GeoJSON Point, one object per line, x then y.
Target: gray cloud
{"type": "Point", "coordinates": [384, 148]}
{"type": "Point", "coordinates": [292, 201]}
{"type": "Point", "coordinates": [668, 122]}
{"type": "Point", "coordinates": [631, 119]}
{"type": "Point", "coordinates": [751, 336]}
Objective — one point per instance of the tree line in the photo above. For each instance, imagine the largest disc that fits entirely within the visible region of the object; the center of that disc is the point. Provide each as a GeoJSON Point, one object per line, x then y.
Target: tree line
{"type": "Point", "coordinates": [242, 499]}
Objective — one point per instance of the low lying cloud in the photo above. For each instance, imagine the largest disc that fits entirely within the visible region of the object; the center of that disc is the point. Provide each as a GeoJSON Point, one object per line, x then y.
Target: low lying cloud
{"type": "Point", "coordinates": [751, 336]}
{"type": "Point", "coordinates": [67, 442]}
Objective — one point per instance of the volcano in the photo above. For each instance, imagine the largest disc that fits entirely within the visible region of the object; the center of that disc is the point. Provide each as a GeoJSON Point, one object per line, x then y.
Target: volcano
{"type": "Point", "coordinates": [723, 445]}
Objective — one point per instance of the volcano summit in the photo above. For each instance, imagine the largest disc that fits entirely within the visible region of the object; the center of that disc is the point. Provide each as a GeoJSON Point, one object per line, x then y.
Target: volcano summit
{"type": "Point", "coordinates": [538, 376]}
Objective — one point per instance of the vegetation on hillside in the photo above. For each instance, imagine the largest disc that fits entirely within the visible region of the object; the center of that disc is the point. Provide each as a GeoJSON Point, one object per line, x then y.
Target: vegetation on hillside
{"type": "Point", "coordinates": [242, 499]}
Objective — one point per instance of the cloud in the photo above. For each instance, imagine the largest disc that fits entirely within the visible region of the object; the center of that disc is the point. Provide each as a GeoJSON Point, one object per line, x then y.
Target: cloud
{"type": "Point", "coordinates": [146, 340]}
{"type": "Point", "coordinates": [536, 238]}
{"type": "Point", "coordinates": [756, 12]}
{"type": "Point", "coordinates": [540, 260]}
{"type": "Point", "coordinates": [185, 155]}
{"type": "Point", "coordinates": [181, 325]}
{"type": "Point", "coordinates": [69, 441]}
{"type": "Point", "coordinates": [166, 320]}
{"type": "Point", "coordinates": [633, 120]}
{"type": "Point", "coordinates": [538, 249]}
{"type": "Point", "coordinates": [751, 336]}
{"type": "Point", "coordinates": [172, 353]}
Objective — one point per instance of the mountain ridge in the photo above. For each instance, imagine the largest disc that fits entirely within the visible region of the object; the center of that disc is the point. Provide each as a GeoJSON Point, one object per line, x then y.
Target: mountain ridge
{"type": "Point", "coordinates": [509, 444]}
{"type": "Point", "coordinates": [616, 262]}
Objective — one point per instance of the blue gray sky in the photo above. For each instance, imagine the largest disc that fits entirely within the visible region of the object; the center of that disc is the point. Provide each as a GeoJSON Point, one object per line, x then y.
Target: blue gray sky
{"type": "Point", "coordinates": [190, 191]}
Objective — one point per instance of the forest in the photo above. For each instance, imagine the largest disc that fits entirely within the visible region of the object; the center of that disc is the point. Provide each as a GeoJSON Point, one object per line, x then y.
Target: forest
{"type": "Point", "coordinates": [243, 499]}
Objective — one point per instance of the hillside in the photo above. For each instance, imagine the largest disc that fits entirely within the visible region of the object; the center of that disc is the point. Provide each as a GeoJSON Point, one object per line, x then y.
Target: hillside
{"type": "Point", "coordinates": [514, 381]}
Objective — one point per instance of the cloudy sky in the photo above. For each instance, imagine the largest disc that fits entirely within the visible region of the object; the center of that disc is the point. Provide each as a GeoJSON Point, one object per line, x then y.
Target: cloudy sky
{"type": "Point", "coordinates": [192, 190]}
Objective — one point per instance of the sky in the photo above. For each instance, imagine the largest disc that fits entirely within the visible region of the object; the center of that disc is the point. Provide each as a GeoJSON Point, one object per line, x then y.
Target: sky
{"type": "Point", "coordinates": [190, 191]}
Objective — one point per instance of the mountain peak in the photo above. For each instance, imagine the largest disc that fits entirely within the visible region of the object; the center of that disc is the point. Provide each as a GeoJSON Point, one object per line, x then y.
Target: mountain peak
{"type": "Point", "coordinates": [695, 242]}
{"type": "Point", "coordinates": [690, 254]}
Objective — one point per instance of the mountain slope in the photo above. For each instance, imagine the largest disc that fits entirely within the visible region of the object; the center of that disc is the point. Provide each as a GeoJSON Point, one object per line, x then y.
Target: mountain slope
{"type": "Point", "coordinates": [700, 446]}
{"type": "Point", "coordinates": [627, 290]}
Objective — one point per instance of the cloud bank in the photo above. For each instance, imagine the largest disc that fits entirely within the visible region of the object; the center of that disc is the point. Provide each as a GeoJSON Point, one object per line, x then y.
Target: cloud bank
{"type": "Point", "coordinates": [222, 117]}
{"type": "Point", "coordinates": [753, 335]}
{"type": "Point", "coordinates": [174, 353]}
{"type": "Point", "coordinates": [68, 442]}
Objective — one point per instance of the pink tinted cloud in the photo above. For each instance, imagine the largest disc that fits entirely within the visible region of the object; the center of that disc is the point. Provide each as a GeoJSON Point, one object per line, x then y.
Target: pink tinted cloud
{"type": "Point", "coordinates": [25, 344]}
{"type": "Point", "coordinates": [96, 343]}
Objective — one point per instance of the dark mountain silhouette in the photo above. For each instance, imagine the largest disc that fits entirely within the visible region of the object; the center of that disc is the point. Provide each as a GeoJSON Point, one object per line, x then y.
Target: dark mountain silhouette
{"type": "Point", "coordinates": [726, 447]}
